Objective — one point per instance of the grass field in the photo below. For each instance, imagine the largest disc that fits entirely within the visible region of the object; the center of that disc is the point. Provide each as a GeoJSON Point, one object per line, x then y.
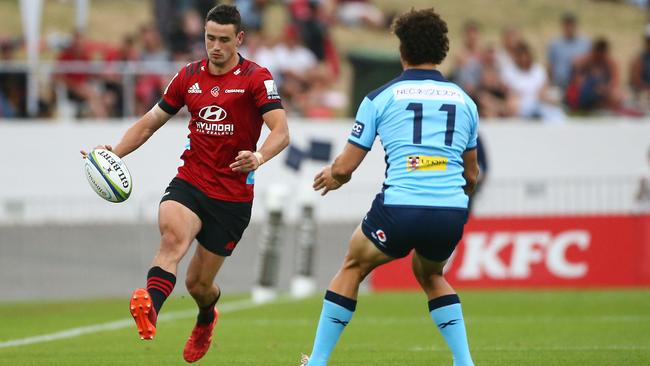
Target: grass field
{"type": "Point", "coordinates": [505, 328]}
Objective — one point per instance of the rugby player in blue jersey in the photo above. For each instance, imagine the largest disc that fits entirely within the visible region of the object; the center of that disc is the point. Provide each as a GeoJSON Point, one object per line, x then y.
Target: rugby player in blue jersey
{"type": "Point", "coordinates": [428, 128]}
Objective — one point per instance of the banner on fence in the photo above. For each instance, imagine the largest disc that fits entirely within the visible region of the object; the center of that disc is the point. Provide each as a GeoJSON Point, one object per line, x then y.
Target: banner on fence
{"type": "Point", "coordinates": [595, 251]}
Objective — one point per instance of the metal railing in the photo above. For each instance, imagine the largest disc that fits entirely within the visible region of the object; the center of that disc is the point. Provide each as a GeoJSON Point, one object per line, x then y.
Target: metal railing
{"type": "Point", "coordinates": [44, 74]}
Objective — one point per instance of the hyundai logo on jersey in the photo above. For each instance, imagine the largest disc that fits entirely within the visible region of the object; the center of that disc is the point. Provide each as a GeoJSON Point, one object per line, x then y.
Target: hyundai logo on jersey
{"type": "Point", "coordinates": [213, 113]}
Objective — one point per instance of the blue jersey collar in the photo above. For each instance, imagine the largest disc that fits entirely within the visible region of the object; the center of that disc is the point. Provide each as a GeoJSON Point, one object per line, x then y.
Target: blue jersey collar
{"type": "Point", "coordinates": [422, 74]}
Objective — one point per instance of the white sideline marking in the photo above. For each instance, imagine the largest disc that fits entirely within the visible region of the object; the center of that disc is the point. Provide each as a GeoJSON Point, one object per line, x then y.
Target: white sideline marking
{"type": "Point", "coordinates": [534, 348]}
{"type": "Point", "coordinates": [227, 307]}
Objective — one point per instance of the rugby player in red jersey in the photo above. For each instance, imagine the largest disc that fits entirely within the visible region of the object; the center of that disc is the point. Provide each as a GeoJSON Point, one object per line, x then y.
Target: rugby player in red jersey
{"type": "Point", "coordinates": [229, 98]}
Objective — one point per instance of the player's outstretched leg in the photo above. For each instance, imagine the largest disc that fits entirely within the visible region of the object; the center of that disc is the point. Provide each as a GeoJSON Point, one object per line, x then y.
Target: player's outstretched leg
{"type": "Point", "coordinates": [444, 308]}
{"type": "Point", "coordinates": [340, 299]}
{"type": "Point", "coordinates": [146, 303]}
{"type": "Point", "coordinates": [178, 227]}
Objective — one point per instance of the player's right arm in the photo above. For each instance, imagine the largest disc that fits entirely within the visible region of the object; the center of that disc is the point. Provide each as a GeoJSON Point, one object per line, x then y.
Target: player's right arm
{"type": "Point", "coordinates": [172, 101]}
{"type": "Point", "coordinates": [359, 143]}
{"type": "Point", "coordinates": [470, 156]}
{"type": "Point", "coordinates": [141, 130]}
{"type": "Point", "coordinates": [470, 173]}
{"type": "Point", "coordinates": [138, 133]}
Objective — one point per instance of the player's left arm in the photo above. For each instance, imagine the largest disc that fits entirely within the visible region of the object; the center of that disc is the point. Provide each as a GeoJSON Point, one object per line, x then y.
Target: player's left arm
{"type": "Point", "coordinates": [340, 172]}
{"type": "Point", "coordinates": [275, 142]}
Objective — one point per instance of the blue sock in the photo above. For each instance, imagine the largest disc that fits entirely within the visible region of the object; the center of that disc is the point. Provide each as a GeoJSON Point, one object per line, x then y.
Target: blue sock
{"type": "Point", "coordinates": [448, 316]}
{"type": "Point", "coordinates": [337, 312]}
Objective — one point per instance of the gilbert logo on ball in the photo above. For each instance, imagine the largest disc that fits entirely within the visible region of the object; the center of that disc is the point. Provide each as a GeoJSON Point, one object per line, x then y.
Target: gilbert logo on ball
{"type": "Point", "coordinates": [107, 175]}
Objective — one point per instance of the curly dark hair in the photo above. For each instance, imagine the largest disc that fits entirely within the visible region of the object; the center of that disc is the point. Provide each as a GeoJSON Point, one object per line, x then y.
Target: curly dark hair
{"type": "Point", "coordinates": [423, 37]}
{"type": "Point", "coordinates": [225, 14]}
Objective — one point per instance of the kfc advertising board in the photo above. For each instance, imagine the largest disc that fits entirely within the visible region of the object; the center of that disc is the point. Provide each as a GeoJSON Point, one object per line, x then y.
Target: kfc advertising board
{"type": "Point", "coordinates": [592, 251]}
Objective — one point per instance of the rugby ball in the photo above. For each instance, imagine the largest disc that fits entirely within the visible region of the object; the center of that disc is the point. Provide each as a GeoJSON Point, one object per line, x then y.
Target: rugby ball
{"type": "Point", "coordinates": [108, 175]}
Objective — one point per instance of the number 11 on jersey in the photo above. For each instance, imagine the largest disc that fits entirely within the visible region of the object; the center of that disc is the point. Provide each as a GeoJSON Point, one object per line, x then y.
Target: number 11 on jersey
{"type": "Point", "coordinates": [417, 121]}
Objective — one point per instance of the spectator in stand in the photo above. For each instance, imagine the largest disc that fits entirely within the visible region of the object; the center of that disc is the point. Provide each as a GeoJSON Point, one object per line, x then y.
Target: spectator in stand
{"type": "Point", "coordinates": [320, 100]}
{"type": "Point", "coordinates": [510, 38]}
{"type": "Point", "coordinates": [13, 84]}
{"type": "Point", "coordinates": [166, 11]}
{"type": "Point", "coordinates": [113, 95]}
{"type": "Point", "coordinates": [187, 42]}
{"type": "Point", "coordinates": [148, 89]}
{"type": "Point", "coordinates": [529, 83]}
{"type": "Point", "coordinates": [595, 82]}
{"type": "Point", "coordinates": [311, 20]}
{"type": "Point", "coordinates": [79, 85]}
{"type": "Point", "coordinates": [640, 74]}
{"type": "Point", "coordinates": [468, 62]}
{"type": "Point", "coordinates": [565, 50]}
{"type": "Point", "coordinates": [493, 97]}
{"type": "Point", "coordinates": [257, 48]}
{"type": "Point", "coordinates": [296, 73]}
{"type": "Point", "coordinates": [252, 14]}
{"type": "Point", "coordinates": [356, 13]}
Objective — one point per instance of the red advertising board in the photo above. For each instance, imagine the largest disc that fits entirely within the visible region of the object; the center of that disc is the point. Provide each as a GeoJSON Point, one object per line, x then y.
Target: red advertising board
{"type": "Point", "coordinates": [590, 251]}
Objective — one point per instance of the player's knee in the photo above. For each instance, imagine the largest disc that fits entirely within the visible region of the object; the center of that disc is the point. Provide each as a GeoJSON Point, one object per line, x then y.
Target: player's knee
{"type": "Point", "coordinates": [196, 287]}
{"type": "Point", "coordinates": [354, 266]}
{"type": "Point", "coordinates": [428, 280]}
{"type": "Point", "coordinates": [171, 250]}
{"type": "Point", "coordinates": [171, 242]}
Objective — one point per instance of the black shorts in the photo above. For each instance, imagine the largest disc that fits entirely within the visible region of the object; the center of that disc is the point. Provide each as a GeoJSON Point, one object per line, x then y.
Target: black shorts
{"type": "Point", "coordinates": [395, 230]}
{"type": "Point", "coordinates": [222, 222]}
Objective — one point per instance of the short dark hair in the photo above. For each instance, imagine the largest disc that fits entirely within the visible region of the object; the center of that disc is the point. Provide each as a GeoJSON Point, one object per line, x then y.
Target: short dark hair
{"type": "Point", "coordinates": [569, 18]}
{"type": "Point", "coordinates": [423, 37]}
{"type": "Point", "coordinates": [225, 14]}
{"type": "Point", "coordinates": [601, 45]}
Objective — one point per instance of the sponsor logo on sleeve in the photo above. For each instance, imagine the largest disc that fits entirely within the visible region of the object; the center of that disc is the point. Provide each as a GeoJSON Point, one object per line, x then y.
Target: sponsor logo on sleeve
{"type": "Point", "coordinates": [271, 89]}
{"type": "Point", "coordinates": [357, 129]}
{"type": "Point", "coordinates": [426, 163]}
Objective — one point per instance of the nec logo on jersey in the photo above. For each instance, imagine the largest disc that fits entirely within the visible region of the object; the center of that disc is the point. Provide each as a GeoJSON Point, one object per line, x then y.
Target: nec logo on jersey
{"type": "Point", "coordinates": [194, 89]}
{"type": "Point", "coordinates": [426, 163]}
{"type": "Point", "coordinates": [357, 129]}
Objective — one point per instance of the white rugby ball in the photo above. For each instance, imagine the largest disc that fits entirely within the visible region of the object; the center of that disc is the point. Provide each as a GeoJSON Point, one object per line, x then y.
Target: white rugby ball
{"type": "Point", "coordinates": [108, 175]}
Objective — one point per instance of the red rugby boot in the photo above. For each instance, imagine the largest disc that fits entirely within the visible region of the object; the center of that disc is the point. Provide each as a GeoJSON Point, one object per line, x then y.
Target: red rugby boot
{"type": "Point", "coordinates": [143, 313]}
{"type": "Point", "coordinates": [199, 342]}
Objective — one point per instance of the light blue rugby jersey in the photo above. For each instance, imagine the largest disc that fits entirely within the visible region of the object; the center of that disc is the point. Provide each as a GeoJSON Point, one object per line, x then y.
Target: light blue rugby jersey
{"type": "Point", "coordinates": [425, 124]}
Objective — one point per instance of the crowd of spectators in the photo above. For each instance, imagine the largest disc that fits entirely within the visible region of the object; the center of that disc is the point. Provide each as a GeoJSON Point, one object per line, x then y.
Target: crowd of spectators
{"type": "Point", "coordinates": [579, 76]}
{"type": "Point", "coordinates": [576, 76]}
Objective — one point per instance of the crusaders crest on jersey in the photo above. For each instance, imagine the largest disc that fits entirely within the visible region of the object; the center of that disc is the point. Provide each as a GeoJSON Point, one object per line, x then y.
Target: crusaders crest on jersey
{"type": "Point", "coordinates": [215, 91]}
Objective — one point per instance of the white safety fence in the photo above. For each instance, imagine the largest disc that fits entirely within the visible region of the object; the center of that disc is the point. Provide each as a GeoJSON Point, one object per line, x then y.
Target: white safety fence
{"type": "Point", "coordinates": [583, 167]}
